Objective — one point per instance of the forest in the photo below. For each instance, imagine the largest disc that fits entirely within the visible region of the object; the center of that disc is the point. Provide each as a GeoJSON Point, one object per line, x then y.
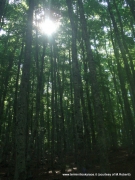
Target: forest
{"type": "Point", "coordinates": [67, 89]}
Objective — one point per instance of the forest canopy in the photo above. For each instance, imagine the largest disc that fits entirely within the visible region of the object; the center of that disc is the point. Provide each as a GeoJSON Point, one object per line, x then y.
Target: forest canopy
{"type": "Point", "coordinates": [67, 82]}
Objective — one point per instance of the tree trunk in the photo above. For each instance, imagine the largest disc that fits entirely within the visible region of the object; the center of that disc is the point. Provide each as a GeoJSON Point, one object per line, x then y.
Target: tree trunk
{"type": "Point", "coordinates": [20, 168]}
{"type": "Point", "coordinates": [96, 95]}
{"type": "Point", "coordinates": [76, 81]}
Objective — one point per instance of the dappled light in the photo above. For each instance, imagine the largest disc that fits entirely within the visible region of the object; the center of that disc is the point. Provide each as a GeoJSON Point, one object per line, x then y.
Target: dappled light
{"type": "Point", "coordinates": [67, 89]}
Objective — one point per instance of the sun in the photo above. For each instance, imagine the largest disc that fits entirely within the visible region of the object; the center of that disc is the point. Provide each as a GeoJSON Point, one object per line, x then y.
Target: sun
{"type": "Point", "coordinates": [48, 27]}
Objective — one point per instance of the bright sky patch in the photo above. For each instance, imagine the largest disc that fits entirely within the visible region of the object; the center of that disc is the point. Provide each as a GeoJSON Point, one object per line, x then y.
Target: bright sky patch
{"type": "Point", "coordinates": [48, 27]}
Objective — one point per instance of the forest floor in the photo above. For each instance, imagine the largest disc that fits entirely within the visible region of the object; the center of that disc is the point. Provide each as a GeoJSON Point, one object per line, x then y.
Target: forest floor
{"type": "Point", "coordinates": [120, 162]}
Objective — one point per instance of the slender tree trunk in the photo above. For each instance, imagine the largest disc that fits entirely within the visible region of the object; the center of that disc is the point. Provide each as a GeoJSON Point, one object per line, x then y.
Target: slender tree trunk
{"type": "Point", "coordinates": [15, 101]}
{"type": "Point", "coordinates": [87, 84]}
{"type": "Point", "coordinates": [96, 95]}
{"type": "Point", "coordinates": [72, 106]}
{"type": "Point", "coordinates": [5, 87]}
{"type": "Point", "coordinates": [129, 125]}
{"type": "Point", "coordinates": [123, 54]}
{"type": "Point", "coordinates": [53, 130]}
{"type": "Point", "coordinates": [76, 81]}
{"type": "Point", "coordinates": [20, 168]}
{"type": "Point", "coordinates": [2, 6]}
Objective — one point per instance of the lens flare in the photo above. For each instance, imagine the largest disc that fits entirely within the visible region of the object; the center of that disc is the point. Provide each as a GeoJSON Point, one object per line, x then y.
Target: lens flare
{"type": "Point", "coordinates": [48, 27]}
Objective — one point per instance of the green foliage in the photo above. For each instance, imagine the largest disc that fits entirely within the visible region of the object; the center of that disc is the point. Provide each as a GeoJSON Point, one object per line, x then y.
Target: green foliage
{"type": "Point", "coordinates": [51, 73]}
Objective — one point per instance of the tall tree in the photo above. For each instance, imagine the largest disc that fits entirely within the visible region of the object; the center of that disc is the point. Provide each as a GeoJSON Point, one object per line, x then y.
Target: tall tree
{"type": "Point", "coordinates": [76, 80]}
{"type": "Point", "coordinates": [96, 94]}
{"type": "Point", "coordinates": [20, 168]}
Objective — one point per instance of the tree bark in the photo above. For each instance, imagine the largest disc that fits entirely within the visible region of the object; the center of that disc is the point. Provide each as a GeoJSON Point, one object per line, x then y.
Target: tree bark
{"type": "Point", "coordinates": [76, 81]}
{"type": "Point", "coordinates": [20, 168]}
{"type": "Point", "coordinates": [96, 95]}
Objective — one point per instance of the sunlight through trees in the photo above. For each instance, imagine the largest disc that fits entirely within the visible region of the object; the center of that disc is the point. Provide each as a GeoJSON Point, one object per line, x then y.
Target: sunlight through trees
{"type": "Point", "coordinates": [67, 87]}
